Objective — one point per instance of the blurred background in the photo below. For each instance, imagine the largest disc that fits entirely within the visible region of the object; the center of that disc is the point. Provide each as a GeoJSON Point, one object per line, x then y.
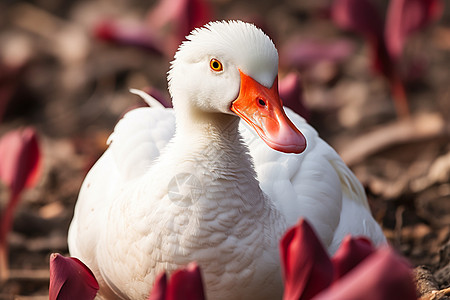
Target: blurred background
{"type": "Point", "coordinates": [373, 78]}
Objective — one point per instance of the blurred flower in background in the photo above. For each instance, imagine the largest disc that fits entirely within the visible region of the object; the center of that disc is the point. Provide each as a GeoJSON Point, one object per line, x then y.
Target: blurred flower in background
{"type": "Point", "coordinates": [20, 168]}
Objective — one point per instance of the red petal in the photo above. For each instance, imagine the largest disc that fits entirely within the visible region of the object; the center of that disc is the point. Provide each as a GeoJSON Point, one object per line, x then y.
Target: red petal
{"type": "Point", "coordinates": [137, 35]}
{"type": "Point", "coordinates": [382, 276]}
{"type": "Point", "coordinates": [19, 168]}
{"type": "Point", "coordinates": [307, 268]}
{"type": "Point", "coordinates": [186, 284]}
{"type": "Point", "coordinates": [359, 16]}
{"type": "Point", "coordinates": [20, 159]}
{"type": "Point", "coordinates": [362, 16]}
{"type": "Point", "coordinates": [304, 53]}
{"type": "Point", "coordinates": [351, 252]}
{"type": "Point", "coordinates": [174, 19]}
{"type": "Point", "coordinates": [291, 92]}
{"type": "Point", "coordinates": [70, 279]}
{"type": "Point", "coordinates": [406, 16]}
{"type": "Point", "coordinates": [200, 13]}
{"type": "Point", "coordinates": [159, 288]}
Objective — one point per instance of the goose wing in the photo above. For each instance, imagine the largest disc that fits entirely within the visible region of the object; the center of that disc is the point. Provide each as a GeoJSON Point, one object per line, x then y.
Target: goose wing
{"type": "Point", "coordinates": [315, 184]}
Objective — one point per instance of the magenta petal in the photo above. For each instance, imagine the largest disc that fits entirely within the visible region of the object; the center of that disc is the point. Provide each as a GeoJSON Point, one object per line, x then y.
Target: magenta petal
{"type": "Point", "coordinates": [159, 288]}
{"type": "Point", "coordinates": [174, 19]}
{"type": "Point", "coordinates": [136, 35]}
{"type": "Point", "coordinates": [303, 53]}
{"type": "Point", "coordinates": [20, 159]}
{"type": "Point", "coordinates": [19, 168]}
{"type": "Point", "coordinates": [186, 284]}
{"type": "Point", "coordinates": [291, 92]}
{"type": "Point", "coordinates": [359, 16]}
{"type": "Point", "coordinates": [406, 16]}
{"type": "Point", "coordinates": [362, 16]}
{"type": "Point", "coordinates": [307, 268]}
{"type": "Point", "coordinates": [351, 252]}
{"type": "Point", "coordinates": [70, 279]}
{"type": "Point", "coordinates": [382, 276]}
{"type": "Point", "coordinates": [200, 13]}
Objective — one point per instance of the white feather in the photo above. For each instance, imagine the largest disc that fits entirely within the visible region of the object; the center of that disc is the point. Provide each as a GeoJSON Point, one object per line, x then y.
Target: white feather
{"type": "Point", "coordinates": [152, 102]}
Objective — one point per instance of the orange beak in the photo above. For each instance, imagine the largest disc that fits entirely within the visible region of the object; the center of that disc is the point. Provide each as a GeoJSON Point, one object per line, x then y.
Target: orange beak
{"type": "Point", "coordinates": [262, 109]}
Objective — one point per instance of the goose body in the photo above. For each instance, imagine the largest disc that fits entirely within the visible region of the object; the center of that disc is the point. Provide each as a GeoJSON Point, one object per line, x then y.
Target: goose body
{"type": "Point", "coordinates": [216, 180]}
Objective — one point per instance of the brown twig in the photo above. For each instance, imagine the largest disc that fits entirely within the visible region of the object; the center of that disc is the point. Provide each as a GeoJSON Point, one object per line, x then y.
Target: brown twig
{"type": "Point", "coordinates": [415, 129]}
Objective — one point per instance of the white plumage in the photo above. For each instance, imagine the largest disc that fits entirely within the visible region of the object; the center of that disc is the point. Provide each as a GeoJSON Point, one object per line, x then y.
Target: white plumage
{"type": "Point", "coordinates": [196, 183]}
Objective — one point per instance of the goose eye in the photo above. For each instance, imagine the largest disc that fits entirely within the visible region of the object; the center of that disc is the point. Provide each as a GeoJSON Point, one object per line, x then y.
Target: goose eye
{"type": "Point", "coordinates": [216, 65]}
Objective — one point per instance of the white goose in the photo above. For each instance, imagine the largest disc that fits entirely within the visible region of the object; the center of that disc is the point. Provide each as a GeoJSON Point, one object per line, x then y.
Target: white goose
{"type": "Point", "coordinates": [215, 180]}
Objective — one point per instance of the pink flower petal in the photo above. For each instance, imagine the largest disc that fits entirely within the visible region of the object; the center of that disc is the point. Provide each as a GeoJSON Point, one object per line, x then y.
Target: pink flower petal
{"type": "Point", "coordinates": [186, 284]}
{"type": "Point", "coordinates": [137, 35]}
{"type": "Point", "coordinates": [306, 267]}
{"type": "Point", "coordinates": [382, 276]}
{"type": "Point", "coordinates": [351, 252]}
{"type": "Point", "coordinates": [174, 20]}
{"type": "Point", "coordinates": [359, 16]}
{"type": "Point", "coordinates": [303, 53]}
{"type": "Point", "coordinates": [169, 22]}
{"type": "Point", "coordinates": [291, 92]}
{"type": "Point", "coordinates": [159, 288]}
{"type": "Point", "coordinates": [20, 159]}
{"type": "Point", "coordinates": [405, 17]}
{"type": "Point", "coordinates": [70, 279]}
{"type": "Point", "coordinates": [362, 16]}
{"type": "Point", "coordinates": [19, 168]}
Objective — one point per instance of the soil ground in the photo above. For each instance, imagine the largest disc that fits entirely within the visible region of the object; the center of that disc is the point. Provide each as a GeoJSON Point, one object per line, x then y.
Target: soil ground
{"type": "Point", "coordinates": [73, 88]}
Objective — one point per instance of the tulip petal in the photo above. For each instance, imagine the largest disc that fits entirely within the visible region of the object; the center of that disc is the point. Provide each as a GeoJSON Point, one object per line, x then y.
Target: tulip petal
{"type": "Point", "coordinates": [137, 35]}
{"type": "Point", "coordinates": [186, 284]}
{"type": "Point", "coordinates": [359, 16]}
{"type": "Point", "coordinates": [351, 252]}
{"type": "Point", "coordinates": [405, 17]}
{"type": "Point", "coordinates": [301, 52]}
{"type": "Point", "coordinates": [307, 268]}
{"type": "Point", "coordinates": [362, 16]}
{"type": "Point", "coordinates": [174, 19]}
{"type": "Point", "coordinates": [382, 276]}
{"type": "Point", "coordinates": [19, 168]}
{"type": "Point", "coordinates": [70, 279]}
{"type": "Point", "coordinates": [20, 155]}
{"type": "Point", "coordinates": [159, 288]}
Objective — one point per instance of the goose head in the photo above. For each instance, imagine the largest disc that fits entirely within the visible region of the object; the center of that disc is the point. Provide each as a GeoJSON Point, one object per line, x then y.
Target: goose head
{"type": "Point", "coordinates": [231, 68]}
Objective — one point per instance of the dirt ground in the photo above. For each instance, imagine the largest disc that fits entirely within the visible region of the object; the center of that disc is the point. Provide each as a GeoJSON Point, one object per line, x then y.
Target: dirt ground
{"type": "Point", "coordinates": [73, 88]}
